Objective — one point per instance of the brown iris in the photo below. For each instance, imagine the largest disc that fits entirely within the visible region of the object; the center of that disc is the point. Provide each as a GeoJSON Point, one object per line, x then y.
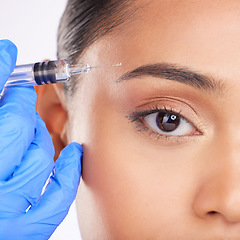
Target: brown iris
{"type": "Point", "coordinates": [167, 122]}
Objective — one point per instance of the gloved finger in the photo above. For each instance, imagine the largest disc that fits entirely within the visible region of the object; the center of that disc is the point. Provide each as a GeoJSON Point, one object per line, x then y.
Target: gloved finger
{"type": "Point", "coordinates": [17, 127]}
{"type": "Point", "coordinates": [52, 208]}
{"type": "Point", "coordinates": [11, 143]}
{"type": "Point", "coordinates": [8, 57]}
{"type": "Point", "coordinates": [26, 184]}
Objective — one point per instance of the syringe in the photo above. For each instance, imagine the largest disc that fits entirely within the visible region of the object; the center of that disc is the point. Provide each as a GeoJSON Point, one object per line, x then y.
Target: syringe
{"type": "Point", "coordinates": [47, 72]}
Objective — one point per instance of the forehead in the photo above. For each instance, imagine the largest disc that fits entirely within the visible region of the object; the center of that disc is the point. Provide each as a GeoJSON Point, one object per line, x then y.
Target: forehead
{"type": "Point", "coordinates": [185, 10]}
{"type": "Point", "coordinates": [167, 27]}
{"type": "Point", "coordinates": [203, 35]}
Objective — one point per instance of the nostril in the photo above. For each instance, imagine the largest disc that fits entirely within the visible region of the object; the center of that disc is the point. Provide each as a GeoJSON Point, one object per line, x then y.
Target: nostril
{"type": "Point", "coordinates": [212, 212]}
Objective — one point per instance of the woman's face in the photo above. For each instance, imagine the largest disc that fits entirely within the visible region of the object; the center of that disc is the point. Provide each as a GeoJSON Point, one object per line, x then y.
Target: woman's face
{"type": "Point", "coordinates": [162, 144]}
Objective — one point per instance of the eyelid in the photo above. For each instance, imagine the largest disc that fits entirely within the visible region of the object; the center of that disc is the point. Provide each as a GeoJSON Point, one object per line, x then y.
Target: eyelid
{"type": "Point", "coordinates": [175, 101]}
{"type": "Point", "coordinates": [174, 105]}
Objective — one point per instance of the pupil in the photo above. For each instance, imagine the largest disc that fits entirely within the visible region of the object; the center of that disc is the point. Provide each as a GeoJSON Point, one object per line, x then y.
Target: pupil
{"type": "Point", "coordinates": [167, 122]}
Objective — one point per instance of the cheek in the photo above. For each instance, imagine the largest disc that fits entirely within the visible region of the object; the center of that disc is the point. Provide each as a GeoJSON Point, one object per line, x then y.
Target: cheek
{"type": "Point", "coordinates": [133, 182]}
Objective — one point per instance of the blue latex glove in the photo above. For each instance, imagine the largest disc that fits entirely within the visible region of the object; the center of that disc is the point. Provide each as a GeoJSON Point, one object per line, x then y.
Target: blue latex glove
{"type": "Point", "coordinates": [26, 161]}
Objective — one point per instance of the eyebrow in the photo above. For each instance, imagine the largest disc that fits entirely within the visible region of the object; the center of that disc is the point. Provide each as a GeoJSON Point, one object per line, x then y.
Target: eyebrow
{"type": "Point", "coordinates": [175, 73]}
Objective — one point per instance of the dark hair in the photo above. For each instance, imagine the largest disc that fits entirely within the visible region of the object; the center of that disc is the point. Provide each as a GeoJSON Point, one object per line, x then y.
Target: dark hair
{"type": "Point", "coordinates": [84, 22]}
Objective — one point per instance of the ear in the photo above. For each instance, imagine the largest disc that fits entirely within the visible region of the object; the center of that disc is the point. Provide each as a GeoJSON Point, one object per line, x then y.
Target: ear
{"type": "Point", "coordinates": [51, 109]}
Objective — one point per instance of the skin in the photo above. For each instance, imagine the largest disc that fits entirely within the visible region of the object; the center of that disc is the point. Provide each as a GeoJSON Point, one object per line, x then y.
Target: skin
{"type": "Point", "coordinates": [142, 185]}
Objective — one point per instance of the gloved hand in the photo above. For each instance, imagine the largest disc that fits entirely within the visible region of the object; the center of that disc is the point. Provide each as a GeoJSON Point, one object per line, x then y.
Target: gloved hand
{"type": "Point", "coordinates": [26, 161]}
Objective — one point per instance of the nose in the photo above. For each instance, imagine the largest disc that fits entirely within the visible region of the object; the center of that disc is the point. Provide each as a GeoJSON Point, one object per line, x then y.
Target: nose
{"type": "Point", "coordinates": [218, 195]}
{"type": "Point", "coordinates": [217, 198]}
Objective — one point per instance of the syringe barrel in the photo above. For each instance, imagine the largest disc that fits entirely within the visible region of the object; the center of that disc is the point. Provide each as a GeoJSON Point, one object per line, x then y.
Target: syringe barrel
{"type": "Point", "coordinates": [22, 74]}
{"type": "Point", "coordinates": [40, 73]}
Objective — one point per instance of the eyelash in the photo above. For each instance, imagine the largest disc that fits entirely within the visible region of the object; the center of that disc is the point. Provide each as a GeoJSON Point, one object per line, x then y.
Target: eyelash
{"type": "Point", "coordinates": [137, 118]}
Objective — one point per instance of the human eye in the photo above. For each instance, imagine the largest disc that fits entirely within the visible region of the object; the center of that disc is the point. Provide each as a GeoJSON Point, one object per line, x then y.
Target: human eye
{"type": "Point", "coordinates": [164, 123]}
{"type": "Point", "coordinates": [169, 123]}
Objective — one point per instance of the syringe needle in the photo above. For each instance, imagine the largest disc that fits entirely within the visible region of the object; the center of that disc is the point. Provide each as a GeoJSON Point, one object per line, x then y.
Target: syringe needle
{"type": "Point", "coordinates": [104, 66]}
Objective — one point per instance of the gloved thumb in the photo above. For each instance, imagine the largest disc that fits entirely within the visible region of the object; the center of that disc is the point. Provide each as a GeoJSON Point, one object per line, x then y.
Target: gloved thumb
{"type": "Point", "coordinates": [8, 57]}
{"type": "Point", "coordinates": [54, 204]}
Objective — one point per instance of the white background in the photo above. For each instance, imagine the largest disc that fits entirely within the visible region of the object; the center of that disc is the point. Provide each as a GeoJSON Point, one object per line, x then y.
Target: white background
{"type": "Point", "coordinates": [32, 26]}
